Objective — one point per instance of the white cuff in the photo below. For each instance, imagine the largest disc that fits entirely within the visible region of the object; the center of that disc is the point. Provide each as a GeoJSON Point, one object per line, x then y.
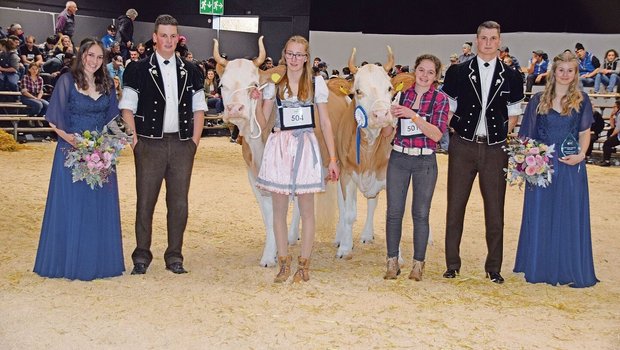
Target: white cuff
{"type": "Point", "coordinates": [129, 100]}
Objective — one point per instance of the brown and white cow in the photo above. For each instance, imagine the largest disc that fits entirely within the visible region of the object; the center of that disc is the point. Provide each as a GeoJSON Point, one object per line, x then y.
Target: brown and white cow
{"type": "Point", "coordinates": [373, 93]}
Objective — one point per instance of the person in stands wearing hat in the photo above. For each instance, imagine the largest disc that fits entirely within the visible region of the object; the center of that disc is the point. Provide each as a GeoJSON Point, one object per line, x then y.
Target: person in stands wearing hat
{"type": "Point", "coordinates": [268, 64]}
{"type": "Point", "coordinates": [467, 54]}
{"type": "Point", "coordinates": [588, 66]}
{"type": "Point", "coordinates": [108, 39]}
{"type": "Point", "coordinates": [537, 71]}
{"type": "Point", "coordinates": [182, 49]}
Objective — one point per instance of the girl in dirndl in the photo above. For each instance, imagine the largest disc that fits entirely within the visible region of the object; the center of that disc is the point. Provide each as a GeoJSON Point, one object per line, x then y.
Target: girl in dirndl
{"type": "Point", "coordinates": [291, 163]}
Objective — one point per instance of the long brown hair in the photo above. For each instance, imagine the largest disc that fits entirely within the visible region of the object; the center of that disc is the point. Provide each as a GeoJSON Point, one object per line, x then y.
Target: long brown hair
{"type": "Point", "coordinates": [103, 83]}
{"type": "Point", "coordinates": [305, 90]}
{"type": "Point", "coordinates": [573, 98]}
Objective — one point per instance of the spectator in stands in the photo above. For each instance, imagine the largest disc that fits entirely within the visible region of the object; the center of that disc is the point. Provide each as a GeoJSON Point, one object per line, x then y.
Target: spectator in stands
{"type": "Point", "coordinates": [190, 57]}
{"type": "Point", "coordinates": [316, 61]}
{"type": "Point", "coordinates": [9, 66]}
{"type": "Point", "coordinates": [212, 92]}
{"type": "Point", "coordinates": [595, 131]}
{"type": "Point", "coordinates": [268, 64]}
{"type": "Point", "coordinates": [335, 74]}
{"type": "Point", "coordinates": [182, 48]}
{"type": "Point", "coordinates": [32, 91]}
{"type": "Point", "coordinates": [115, 50]}
{"type": "Point", "coordinates": [116, 68]}
{"type": "Point", "coordinates": [504, 52]}
{"type": "Point", "coordinates": [29, 53]}
{"type": "Point", "coordinates": [613, 140]}
{"type": "Point", "coordinates": [141, 50]}
{"type": "Point", "coordinates": [124, 33]}
{"type": "Point", "coordinates": [134, 56]}
{"type": "Point", "coordinates": [323, 70]}
{"type": "Point", "coordinates": [65, 23]}
{"type": "Point", "coordinates": [47, 50]}
{"type": "Point", "coordinates": [346, 72]}
{"type": "Point", "coordinates": [588, 66]}
{"type": "Point", "coordinates": [67, 61]}
{"type": "Point", "coordinates": [118, 88]}
{"type": "Point", "coordinates": [609, 73]}
{"type": "Point", "coordinates": [467, 54]}
{"type": "Point", "coordinates": [537, 71]}
{"type": "Point", "coordinates": [64, 45]}
{"type": "Point", "coordinates": [16, 29]}
{"type": "Point", "coordinates": [109, 38]}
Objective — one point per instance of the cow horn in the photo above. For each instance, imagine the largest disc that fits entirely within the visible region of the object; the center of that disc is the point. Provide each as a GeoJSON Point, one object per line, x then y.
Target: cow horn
{"type": "Point", "coordinates": [390, 61]}
{"type": "Point", "coordinates": [261, 53]}
{"type": "Point", "coordinates": [216, 53]}
{"type": "Point", "coordinates": [352, 66]}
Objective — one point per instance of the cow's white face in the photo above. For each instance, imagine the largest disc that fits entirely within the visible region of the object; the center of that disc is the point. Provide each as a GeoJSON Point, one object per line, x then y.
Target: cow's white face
{"type": "Point", "coordinates": [373, 91]}
{"type": "Point", "coordinates": [239, 77]}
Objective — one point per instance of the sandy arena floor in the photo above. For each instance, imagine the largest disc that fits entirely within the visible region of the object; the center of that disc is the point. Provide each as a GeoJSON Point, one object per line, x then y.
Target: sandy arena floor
{"type": "Point", "coordinates": [228, 302]}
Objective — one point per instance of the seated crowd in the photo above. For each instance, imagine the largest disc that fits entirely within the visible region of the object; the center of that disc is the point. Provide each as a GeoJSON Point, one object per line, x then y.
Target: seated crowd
{"type": "Point", "coordinates": [33, 69]}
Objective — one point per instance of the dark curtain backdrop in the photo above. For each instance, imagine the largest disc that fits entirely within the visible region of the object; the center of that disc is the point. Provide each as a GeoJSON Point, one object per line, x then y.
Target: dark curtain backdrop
{"type": "Point", "coordinates": [464, 16]}
{"type": "Point", "coordinates": [381, 17]}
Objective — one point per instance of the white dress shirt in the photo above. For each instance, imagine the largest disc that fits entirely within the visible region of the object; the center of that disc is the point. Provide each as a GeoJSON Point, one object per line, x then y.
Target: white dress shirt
{"type": "Point", "coordinates": [486, 78]}
{"type": "Point", "coordinates": [171, 90]}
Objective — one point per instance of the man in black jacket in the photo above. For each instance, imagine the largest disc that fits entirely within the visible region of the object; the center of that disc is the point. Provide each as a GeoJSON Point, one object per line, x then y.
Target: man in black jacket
{"type": "Point", "coordinates": [485, 97]}
{"type": "Point", "coordinates": [124, 33]}
{"type": "Point", "coordinates": [163, 102]}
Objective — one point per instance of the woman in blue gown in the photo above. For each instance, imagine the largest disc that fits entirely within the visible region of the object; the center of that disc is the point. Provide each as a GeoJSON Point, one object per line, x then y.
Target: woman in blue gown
{"type": "Point", "coordinates": [555, 245]}
{"type": "Point", "coordinates": [81, 231]}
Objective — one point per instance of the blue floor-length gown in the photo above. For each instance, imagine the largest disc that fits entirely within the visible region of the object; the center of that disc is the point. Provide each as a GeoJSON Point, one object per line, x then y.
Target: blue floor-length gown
{"type": "Point", "coordinates": [555, 243]}
{"type": "Point", "coordinates": [81, 230]}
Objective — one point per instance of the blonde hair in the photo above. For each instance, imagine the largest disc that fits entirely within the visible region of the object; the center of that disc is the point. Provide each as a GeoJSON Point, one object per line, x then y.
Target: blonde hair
{"type": "Point", "coordinates": [573, 98]}
{"type": "Point", "coordinates": [305, 90]}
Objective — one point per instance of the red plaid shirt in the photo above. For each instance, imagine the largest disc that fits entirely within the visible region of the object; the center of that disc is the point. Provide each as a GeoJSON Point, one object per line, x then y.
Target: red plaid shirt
{"type": "Point", "coordinates": [33, 86]}
{"type": "Point", "coordinates": [438, 117]}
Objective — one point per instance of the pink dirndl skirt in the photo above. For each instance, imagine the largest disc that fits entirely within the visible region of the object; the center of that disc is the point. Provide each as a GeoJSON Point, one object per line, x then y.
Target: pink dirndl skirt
{"type": "Point", "coordinates": [291, 163]}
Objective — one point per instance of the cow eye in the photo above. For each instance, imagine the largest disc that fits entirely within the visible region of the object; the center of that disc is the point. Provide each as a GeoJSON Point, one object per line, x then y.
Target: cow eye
{"type": "Point", "coordinates": [390, 89]}
{"type": "Point", "coordinates": [358, 91]}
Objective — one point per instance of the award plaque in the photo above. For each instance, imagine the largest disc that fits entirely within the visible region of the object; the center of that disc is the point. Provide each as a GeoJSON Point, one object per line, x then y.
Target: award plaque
{"type": "Point", "coordinates": [569, 146]}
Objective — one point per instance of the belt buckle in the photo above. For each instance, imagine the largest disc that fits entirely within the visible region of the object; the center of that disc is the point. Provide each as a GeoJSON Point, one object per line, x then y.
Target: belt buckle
{"type": "Point", "coordinates": [480, 139]}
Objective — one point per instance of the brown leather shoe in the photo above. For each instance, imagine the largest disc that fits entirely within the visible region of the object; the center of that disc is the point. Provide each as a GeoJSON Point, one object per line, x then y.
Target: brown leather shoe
{"type": "Point", "coordinates": [393, 269]}
{"type": "Point", "coordinates": [285, 269]}
{"type": "Point", "coordinates": [303, 268]}
{"type": "Point", "coordinates": [417, 270]}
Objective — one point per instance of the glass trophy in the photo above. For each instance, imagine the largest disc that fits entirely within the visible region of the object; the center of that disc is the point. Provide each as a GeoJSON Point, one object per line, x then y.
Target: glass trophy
{"type": "Point", "coordinates": [569, 146]}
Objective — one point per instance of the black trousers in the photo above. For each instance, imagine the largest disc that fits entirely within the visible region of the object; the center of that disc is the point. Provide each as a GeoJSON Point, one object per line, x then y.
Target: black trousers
{"type": "Point", "coordinates": [467, 159]}
{"type": "Point", "coordinates": [156, 160]}
{"type": "Point", "coordinates": [608, 146]}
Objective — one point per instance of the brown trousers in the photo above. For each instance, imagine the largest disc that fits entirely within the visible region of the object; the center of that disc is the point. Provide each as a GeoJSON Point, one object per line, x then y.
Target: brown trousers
{"type": "Point", "coordinates": [158, 159]}
{"type": "Point", "coordinates": [467, 159]}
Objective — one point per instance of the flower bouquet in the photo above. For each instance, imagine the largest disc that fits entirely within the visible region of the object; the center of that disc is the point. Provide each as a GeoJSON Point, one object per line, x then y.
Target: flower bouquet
{"type": "Point", "coordinates": [95, 156]}
{"type": "Point", "coordinates": [529, 161]}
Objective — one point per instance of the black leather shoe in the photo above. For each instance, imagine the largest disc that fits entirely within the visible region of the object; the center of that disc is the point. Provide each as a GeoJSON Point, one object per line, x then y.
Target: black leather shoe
{"type": "Point", "coordinates": [139, 269]}
{"type": "Point", "coordinates": [176, 267]}
{"type": "Point", "coordinates": [495, 277]}
{"type": "Point", "coordinates": [450, 273]}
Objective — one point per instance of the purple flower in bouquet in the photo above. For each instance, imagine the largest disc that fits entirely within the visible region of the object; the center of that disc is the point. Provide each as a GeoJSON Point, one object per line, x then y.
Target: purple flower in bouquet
{"type": "Point", "coordinates": [529, 161]}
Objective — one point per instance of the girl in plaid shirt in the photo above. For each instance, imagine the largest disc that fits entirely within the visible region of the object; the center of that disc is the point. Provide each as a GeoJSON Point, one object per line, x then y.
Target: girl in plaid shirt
{"type": "Point", "coordinates": [32, 91]}
{"type": "Point", "coordinates": [422, 119]}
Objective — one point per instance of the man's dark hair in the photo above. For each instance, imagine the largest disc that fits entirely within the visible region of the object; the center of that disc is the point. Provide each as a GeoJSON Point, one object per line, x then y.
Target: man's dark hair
{"type": "Point", "coordinates": [489, 25]}
{"type": "Point", "coordinates": [165, 20]}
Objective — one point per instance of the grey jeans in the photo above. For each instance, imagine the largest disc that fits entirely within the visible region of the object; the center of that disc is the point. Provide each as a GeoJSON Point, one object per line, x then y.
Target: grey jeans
{"type": "Point", "coordinates": [422, 172]}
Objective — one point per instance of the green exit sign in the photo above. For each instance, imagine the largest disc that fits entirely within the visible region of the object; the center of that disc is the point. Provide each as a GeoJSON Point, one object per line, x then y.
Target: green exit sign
{"type": "Point", "coordinates": [211, 7]}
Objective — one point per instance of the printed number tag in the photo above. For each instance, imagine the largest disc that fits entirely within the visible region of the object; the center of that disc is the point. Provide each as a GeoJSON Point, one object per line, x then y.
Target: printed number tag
{"type": "Point", "coordinates": [408, 128]}
{"type": "Point", "coordinates": [296, 117]}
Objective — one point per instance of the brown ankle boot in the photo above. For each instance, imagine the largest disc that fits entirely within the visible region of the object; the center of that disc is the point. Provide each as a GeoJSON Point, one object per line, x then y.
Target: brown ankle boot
{"type": "Point", "coordinates": [285, 269]}
{"type": "Point", "coordinates": [303, 270]}
{"type": "Point", "coordinates": [417, 270]}
{"type": "Point", "coordinates": [393, 269]}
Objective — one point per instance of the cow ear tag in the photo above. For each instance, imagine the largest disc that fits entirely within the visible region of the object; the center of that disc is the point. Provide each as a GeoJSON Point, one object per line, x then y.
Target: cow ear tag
{"type": "Point", "coordinates": [361, 117]}
{"type": "Point", "coordinates": [400, 86]}
{"type": "Point", "coordinates": [343, 90]}
{"type": "Point", "coordinates": [275, 77]}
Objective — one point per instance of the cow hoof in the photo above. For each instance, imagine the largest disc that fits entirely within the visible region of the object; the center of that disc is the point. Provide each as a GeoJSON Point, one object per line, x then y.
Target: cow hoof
{"type": "Point", "coordinates": [345, 256]}
{"type": "Point", "coordinates": [368, 240]}
{"type": "Point", "coordinates": [268, 262]}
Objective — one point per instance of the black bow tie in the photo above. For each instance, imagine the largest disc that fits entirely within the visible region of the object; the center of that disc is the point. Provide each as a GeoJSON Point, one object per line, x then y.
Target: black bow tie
{"type": "Point", "coordinates": [166, 62]}
{"type": "Point", "coordinates": [486, 64]}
